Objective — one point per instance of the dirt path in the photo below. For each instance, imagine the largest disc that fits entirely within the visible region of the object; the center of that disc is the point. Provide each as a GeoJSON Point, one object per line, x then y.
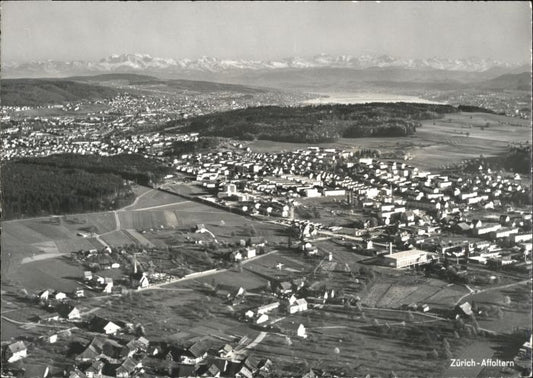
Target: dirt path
{"type": "Point", "coordinates": [136, 200]}
{"type": "Point", "coordinates": [160, 206]}
{"type": "Point", "coordinates": [473, 292]}
{"type": "Point", "coordinates": [206, 273]}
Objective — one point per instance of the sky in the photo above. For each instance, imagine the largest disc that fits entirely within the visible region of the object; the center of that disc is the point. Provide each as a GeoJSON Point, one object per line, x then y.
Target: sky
{"type": "Point", "coordinates": [44, 30]}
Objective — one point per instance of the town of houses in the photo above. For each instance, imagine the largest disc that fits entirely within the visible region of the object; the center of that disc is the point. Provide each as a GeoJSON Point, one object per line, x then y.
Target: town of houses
{"type": "Point", "coordinates": [419, 204]}
{"type": "Point", "coordinates": [114, 126]}
{"type": "Point", "coordinates": [410, 218]}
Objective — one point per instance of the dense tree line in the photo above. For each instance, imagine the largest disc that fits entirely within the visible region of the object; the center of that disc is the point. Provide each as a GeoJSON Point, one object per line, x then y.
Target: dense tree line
{"type": "Point", "coordinates": [515, 159]}
{"type": "Point", "coordinates": [474, 109]}
{"type": "Point", "coordinates": [323, 123]}
{"type": "Point", "coordinates": [132, 167]}
{"type": "Point", "coordinates": [204, 144]}
{"type": "Point", "coordinates": [34, 189]}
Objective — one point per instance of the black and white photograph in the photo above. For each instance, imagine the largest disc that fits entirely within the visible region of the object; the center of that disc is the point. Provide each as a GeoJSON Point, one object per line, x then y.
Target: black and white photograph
{"type": "Point", "coordinates": [266, 189]}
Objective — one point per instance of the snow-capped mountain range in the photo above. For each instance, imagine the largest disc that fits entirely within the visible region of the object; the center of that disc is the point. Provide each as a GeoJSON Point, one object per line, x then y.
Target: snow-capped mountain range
{"type": "Point", "coordinates": [145, 62]}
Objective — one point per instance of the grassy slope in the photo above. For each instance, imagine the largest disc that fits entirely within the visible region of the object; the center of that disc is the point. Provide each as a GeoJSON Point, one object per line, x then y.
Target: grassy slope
{"type": "Point", "coordinates": [34, 92]}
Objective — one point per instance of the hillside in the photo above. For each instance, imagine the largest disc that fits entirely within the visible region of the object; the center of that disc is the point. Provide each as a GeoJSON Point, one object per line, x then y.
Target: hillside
{"type": "Point", "coordinates": [35, 92]}
{"type": "Point", "coordinates": [208, 86]}
{"type": "Point", "coordinates": [314, 124]}
{"type": "Point", "coordinates": [128, 78]}
{"type": "Point", "coordinates": [35, 189]}
{"type": "Point", "coordinates": [519, 82]}
{"type": "Point", "coordinates": [176, 84]}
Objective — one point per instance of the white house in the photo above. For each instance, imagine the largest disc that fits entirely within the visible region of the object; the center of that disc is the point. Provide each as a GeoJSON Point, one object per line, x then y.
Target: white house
{"type": "Point", "coordinates": [68, 312]}
{"type": "Point", "coordinates": [301, 331]}
{"type": "Point", "coordinates": [262, 318]}
{"type": "Point", "coordinates": [297, 306]}
{"type": "Point", "coordinates": [16, 351]}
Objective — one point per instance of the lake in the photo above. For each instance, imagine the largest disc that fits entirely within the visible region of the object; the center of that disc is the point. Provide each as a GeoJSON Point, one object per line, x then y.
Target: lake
{"type": "Point", "coordinates": [364, 97]}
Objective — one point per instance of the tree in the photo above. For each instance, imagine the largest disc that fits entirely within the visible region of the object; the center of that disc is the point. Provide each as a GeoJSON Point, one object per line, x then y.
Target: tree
{"type": "Point", "coordinates": [433, 354]}
{"type": "Point", "coordinates": [139, 330]}
{"type": "Point", "coordinates": [446, 348]}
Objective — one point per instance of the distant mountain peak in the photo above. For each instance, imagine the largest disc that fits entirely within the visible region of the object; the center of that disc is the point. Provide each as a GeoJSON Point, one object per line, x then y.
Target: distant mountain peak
{"type": "Point", "coordinates": [139, 62]}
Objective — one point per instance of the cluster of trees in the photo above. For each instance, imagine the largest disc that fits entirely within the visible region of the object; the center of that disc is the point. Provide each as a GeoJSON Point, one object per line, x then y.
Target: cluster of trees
{"type": "Point", "coordinates": [189, 147]}
{"type": "Point", "coordinates": [474, 109]}
{"type": "Point", "coordinates": [131, 167]}
{"type": "Point", "coordinates": [33, 190]}
{"type": "Point", "coordinates": [315, 124]}
{"type": "Point", "coordinates": [307, 213]}
{"type": "Point", "coordinates": [515, 159]}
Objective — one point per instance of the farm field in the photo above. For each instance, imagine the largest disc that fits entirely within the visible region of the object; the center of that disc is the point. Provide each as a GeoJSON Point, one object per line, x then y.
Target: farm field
{"type": "Point", "coordinates": [33, 240]}
{"type": "Point", "coordinates": [390, 292]}
{"type": "Point", "coordinates": [139, 238]}
{"type": "Point", "coordinates": [149, 219]}
{"type": "Point", "coordinates": [57, 273]}
{"type": "Point", "coordinates": [437, 143]}
{"type": "Point", "coordinates": [516, 313]}
{"type": "Point", "coordinates": [477, 351]}
{"type": "Point", "coordinates": [350, 346]}
{"type": "Point", "coordinates": [90, 222]}
{"type": "Point", "coordinates": [182, 308]}
{"type": "Point", "coordinates": [152, 198]}
{"type": "Point", "coordinates": [118, 238]}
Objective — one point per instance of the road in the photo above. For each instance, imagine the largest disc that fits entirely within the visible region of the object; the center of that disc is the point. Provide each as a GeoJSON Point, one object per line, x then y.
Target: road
{"type": "Point", "coordinates": [160, 206]}
{"type": "Point", "coordinates": [206, 273]}
{"type": "Point", "coordinates": [32, 324]}
{"type": "Point", "coordinates": [137, 199]}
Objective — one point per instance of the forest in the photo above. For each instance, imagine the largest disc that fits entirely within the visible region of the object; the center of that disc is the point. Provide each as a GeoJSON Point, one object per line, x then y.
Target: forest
{"type": "Point", "coordinates": [315, 124]}
{"type": "Point", "coordinates": [34, 190]}
{"type": "Point", "coordinates": [204, 144]}
{"type": "Point", "coordinates": [131, 167]}
{"type": "Point", "coordinates": [70, 183]}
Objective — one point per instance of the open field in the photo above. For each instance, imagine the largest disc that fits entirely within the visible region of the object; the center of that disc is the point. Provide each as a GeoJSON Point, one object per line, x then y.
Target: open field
{"type": "Point", "coordinates": [181, 308]}
{"type": "Point", "coordinates": [152, 198]}
{"type": "Point", "coordinates": [57, 273]}
{"type": "Point", "coordinates": [390, 292]}
{"type": "Point", "coordinates": [118, 238]}
{"type": "Point", "coordinates": [91, 222]}
{"type": "Point", "coordinates": [516, 313]}
{"type": "Point", "coordinates": [437, 143]}
{"type": "Point", "coordinates": [33, 240]}
{"type": "Point", "coordinates": [349, 345]}
{"type": "Point", "coordinates": [477, 351]}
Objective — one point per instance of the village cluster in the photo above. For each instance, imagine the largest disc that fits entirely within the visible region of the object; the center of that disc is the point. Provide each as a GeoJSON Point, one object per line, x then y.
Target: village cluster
{"type": "Point", "coordinates": [122, 349]}
{"type": "Point", "coordinates": [414, 206]}
{"type": "Point", "coordinates": [102, 127]}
